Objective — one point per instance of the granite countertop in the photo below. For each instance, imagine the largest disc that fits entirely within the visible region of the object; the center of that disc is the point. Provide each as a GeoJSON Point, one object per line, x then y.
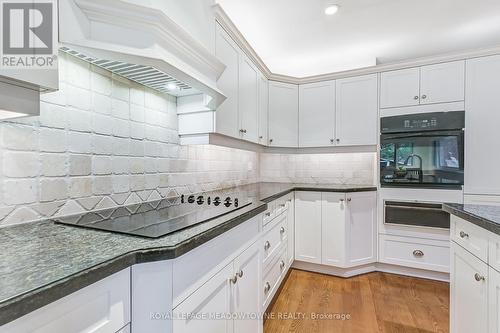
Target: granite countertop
{"type": "Point", "coordinates": [41, 262]}
{"type": "Point", "coordinates": [487, 217]}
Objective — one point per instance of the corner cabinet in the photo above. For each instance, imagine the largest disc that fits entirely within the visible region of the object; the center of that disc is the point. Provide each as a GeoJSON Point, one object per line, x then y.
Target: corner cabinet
{"type": "Point", "coordinates": [335, 229]}
{"type": "Point", "coordinates": [283, 114]}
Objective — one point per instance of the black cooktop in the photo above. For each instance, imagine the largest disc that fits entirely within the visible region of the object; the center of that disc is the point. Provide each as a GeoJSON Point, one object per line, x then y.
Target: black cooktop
{"type": "Point", "coordinates": [159, 218]}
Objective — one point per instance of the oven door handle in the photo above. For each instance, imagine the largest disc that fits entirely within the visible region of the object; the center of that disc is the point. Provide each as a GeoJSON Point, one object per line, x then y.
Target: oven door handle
{"type": "Point", "coordinates": [415, 207]}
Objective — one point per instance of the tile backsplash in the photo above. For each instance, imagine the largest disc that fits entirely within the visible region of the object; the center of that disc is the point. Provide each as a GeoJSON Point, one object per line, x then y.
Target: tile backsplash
{"type": "Point", "coordinates": [338, 168]}
{"type": "Point", "coordinates": [101, 141]}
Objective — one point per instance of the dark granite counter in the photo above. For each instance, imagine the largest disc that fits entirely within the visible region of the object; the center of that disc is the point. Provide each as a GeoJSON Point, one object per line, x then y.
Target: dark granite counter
{"type": "Point", "coordinates": [41, 262]}
{"type": "Point", "coordinates": [487, 217]}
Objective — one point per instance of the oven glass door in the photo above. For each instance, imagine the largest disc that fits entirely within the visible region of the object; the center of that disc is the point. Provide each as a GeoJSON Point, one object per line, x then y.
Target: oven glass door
{"type": "Point", "coordinates": [427, 158]}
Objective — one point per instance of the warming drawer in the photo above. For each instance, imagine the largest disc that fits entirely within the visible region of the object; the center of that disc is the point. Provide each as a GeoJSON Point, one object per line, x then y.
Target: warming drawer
{"type": "Point", "coordinates": [418, 214]}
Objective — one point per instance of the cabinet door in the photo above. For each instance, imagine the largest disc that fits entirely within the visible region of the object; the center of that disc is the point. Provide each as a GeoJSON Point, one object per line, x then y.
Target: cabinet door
{"type": "Point", "coordinates": [333, 240]}
{"type": "Point", "coordinates": [361, 225]}
{"type": "Point", "coordinates": [442, 83]}
{"type": "Point", "coordinates": [317, 114]}
{"type": "Point", "coordinates": [468, 292]}
{"type": "Point", "coordinates": [263, 110]}
{"type": "Point", "coordinates": [481, 123]}
{"type": "Point", "coordinates": [248, 97]}
{"type": "Point", "coordinates": [494, 301]}
{"type": "Point", "coordinates": [283, 114]}
{"type": "Point", "coordinates": [227, 113]}
{"type": "Point", "coordinates": [246, 291]}
{"type": "Point", "coordinates": [291, 229]}
{"type": "Point", "coordinates": [357, 111]}
{"type": "Point", "coordinates": [308, 227]}
{"type": "Point", "coordinates": [213, 297]}
{"type": "Point", "coordinates": [399, 88]}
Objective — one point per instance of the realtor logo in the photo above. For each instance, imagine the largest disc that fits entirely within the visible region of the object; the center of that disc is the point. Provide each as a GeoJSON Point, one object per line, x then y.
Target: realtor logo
{"type": "Point", "coordinates": [28, 34]}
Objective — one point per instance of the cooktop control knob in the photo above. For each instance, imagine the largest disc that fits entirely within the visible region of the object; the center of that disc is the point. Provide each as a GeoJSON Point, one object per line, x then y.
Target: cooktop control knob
{"type": "Point", "coordinates": [200, 200]}
{"type": "Point", "coordinates": [227, 202]}
{"type": "Point", "coordinates": [191, 199]}
{"type": "Point", "coordinates": [182, 198]}
{"type": "Point", "coordinates": [209, 200]}
{"type": "Point", "coordinates": [216, 201]}
{"type": "Point", "coordinates": [235, 202]}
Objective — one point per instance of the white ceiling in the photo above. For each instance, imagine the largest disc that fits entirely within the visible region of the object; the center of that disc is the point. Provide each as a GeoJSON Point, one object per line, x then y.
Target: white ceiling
{"type": "Point", "coordinates": [295, 37]}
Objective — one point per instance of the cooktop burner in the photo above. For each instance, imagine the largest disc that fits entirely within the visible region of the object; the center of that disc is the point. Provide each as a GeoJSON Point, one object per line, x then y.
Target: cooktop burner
{"type": "Point", "coordinates": [159, 218]}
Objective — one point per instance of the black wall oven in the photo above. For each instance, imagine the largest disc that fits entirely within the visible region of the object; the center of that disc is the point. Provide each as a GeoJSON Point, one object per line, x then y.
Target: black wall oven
{"type": "Point", "coordinates": [423, 150]}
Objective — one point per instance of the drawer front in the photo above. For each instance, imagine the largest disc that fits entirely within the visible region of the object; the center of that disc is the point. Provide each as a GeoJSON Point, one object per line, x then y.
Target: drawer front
{"type": "Point", "coordinates": [415, 252]}
{"type": "Point", "coordinates": [268, 215]}
{"type": "Point", "coordinates": [273, 240]}
{"type": "Point", "coordinates": [471, 237]}
{"type": "Point", "coordinates": [103, 307]}
{"type": "Point", "coordinates": [272, 278]}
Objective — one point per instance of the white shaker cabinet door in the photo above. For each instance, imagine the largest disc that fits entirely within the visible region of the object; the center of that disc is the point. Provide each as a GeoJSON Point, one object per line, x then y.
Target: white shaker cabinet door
{"type": "Point", "coordinates": [400, 88]}
{"type": "Point", "coordinates": [290, 219]}
{"type": "Point", "coordinates": [214, 297]}
{"type": "Point", "coordinates": [442, 83]}
{"type": "Point", "coordinates": [283, 114]}
{"type": "Point", "coordinates": [227, 113]}
{"type": "Point", "coordinates": [246, 291]}
{"type": "Point", "coordinates": [468, 292]}
{"type": "Point", "coordinates": [263, 110]}
{"type": "Point", "coordinates": [248, 98]}
{"type": "Point", "coordinates": [357, 111]}
{"type": "Point", "coordinates": [494, 301]}
{"type": "Point", "coordinates": [317, 114]}
{"type": "Point", "coordinates": [333, 241]}
{"type": "Point", "coordinates": [308, 227]}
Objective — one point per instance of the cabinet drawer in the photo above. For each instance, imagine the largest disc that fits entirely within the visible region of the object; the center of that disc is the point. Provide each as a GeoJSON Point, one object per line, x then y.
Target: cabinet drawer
{"type": "Point", "coordinates": [272, 278]}
{"type": "Point", "coordinates": [268, 215]}
{"type": "Point", "coordinates": [272, 241]}
{"type": "Point", "coordinates": [471, 237]}
{"type": "Point", "coordinates": [415, 252]}
{"type": "Point", "coordinates": [103, 307]}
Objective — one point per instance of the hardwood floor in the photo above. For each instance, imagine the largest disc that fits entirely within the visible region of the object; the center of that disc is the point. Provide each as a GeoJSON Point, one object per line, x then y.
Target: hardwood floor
{"type": "Point", "coordinates": [374, 302]}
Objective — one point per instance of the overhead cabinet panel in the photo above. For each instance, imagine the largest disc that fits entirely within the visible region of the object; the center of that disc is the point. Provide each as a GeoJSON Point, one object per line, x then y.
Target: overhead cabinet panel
{"type": "Point", "coordinates": [283, 114]}
{"type": "Point", "coordinates": [248, 98]}
{"type": "Point", "coordinates": [399, 88]}
{"type": "Point", "coordinates": [263, 109]}
{"type": "Point", "coordinates": [442, 83]}
{"type": "Point", "coordinates": [317, 114]}
{"type": "Point", "coordinates": [357, 111]}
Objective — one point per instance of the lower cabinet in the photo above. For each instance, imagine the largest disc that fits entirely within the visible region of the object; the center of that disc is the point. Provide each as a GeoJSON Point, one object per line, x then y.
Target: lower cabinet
{"type": "Point", "coordinates": [227, 302]}
{"type": "Point", "coordinates": [336, 229]}
{"type": "Point", "coordinates": [494, 300]}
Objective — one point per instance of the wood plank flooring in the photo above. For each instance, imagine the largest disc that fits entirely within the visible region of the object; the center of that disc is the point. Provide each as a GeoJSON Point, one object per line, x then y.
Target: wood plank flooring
{"type": "Point", "coordinates": [374, 302]}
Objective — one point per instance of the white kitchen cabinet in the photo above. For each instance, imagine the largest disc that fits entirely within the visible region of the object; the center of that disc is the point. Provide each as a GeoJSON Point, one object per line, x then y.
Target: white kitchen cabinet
{"type": "Point", "coordinates": [356, 111]}
{"type": "Point", "coordinates": [103, 307]}
{"type": "Point", "coordinates": [248, 100]}
{"type": "Point", "coordinates": [245, 296]}
{"type": "Point", "coordinates": [493, 301]}
{"type": "Point", "coordinates": [468, 292]}
{"type": "Point", "coordinates": [442, 83]}
{"type": "Point", "coordinates": [439, 83]}
{"type": "Point", "coordinates": [482, 117]}
{"type": "Point", "coordinates": [290, 218]}
{"type": "Point", "coordinates": [283, 114]}
{"type": "Point", "coordinates": [333, 241]}
{"type": "Point", "coordinates": [263, 109]}
{"type": "Point", "coordinates": [361, 222]}
{"type": "Point", "coordinates": [400, 88]}
{"type": "Point", "coordinates": [227, 113]}
{"type": "Point", "coordinates": [308, 227]}
{"type": "Point", "coordinates": [317, 114]}
{"type": "Point", "coordinates": [214, 297]}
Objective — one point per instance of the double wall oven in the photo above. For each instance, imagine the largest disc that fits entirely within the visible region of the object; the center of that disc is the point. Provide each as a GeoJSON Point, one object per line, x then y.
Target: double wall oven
{"type": "Point", "coordinates": [421, 151]}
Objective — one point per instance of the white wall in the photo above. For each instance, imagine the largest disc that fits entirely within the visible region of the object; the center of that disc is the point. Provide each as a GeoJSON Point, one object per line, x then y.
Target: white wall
{"type": "Point", "coordinates": [101, 142]}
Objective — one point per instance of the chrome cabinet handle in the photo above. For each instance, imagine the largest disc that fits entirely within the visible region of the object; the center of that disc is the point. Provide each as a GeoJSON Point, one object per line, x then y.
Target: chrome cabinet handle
{"type": "Point", "coordinates": [415, 98]}
{"type": "Point", "coordinates": [260, 137]}
{"type": "Point", "coordinates": [338, 140]}
{"type": "Point", "coordinates": [282, 230]}
{"type": "Point", "coordinates": [342, 200]}
{"type": "Point", "coordinates": [282, 205]}
{"type": "Point", "coordinates": [478, 277]}
{"type": "Point", "coordinates": [418, 253]}
{"type": "Point", "coordinates": [234, 279]}
{"type": "Point", "coordinates": [240, 273]}
{"type": "Point", "coordinates": [282, 264]}
{"type": "Point", "coordinates": [267, 288]}
{"type": "Point", "coordinates": [424, 96]}
{"type": "Point", "coordinates": [464, 235]}
{"type": "Point", "coordinates": [267, 245]}
{"type": "Point", "coordinates": [270, 140]}
{"type": "Point", "coordinates": [349, 199]}
{"type": "Point", "coordinates": [268, 214]}
{"type": "Point", "coordinates": [332, 140]}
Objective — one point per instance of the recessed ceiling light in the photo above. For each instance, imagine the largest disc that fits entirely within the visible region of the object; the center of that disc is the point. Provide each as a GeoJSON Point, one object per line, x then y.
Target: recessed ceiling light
{"type": "Point", "coordinates": [331, 9]}
{"type": "Point", "coordinates": [172, 86]}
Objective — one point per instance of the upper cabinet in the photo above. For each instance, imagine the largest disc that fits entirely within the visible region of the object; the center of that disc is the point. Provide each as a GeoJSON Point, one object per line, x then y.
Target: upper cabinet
{"type": "Point", "coordinates": [263, 109]}
{"type": "Point", "coordinates": [317, 114]}
{"type": "Point", "coordinates": [440, 83]}
{"type": "Point", "coordinates": [283, 114]}
{"type": "Point", "coordinates": [356, 112]}
{"type": "Point", "coordinates": [248, 100]}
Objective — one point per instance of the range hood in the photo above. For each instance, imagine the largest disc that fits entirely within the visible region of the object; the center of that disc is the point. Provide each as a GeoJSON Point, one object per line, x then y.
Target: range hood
{"type": "Point", "coordinates": [142, 44]}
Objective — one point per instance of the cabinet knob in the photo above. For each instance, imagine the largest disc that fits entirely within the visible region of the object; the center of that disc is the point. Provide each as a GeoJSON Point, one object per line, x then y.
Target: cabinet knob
{"type": "Point", "coordinates": [234, 279]}
{"type": "Point", "coordinates": [424, 96]}
{"type": "Point", "coordinates": [338, 140]}
{"type": "Point", "coordinates": [418, 253]}
{"type": "Point", "coordinates": [244, 131]}
{"type": "Point", "coordinates": [415, 98]}
{"type": "Point", "coordinates": [267, 288]}
{"type": "Point", "coordinates": [260, 137]}
{"type": "Point", "coordinates": [464, 235]}
{"type": "Point", "coordinates": [270, 140]}
{"type": "Point", "coordinates": [268, 214]}
{"type": "Point", "coordinates": [282, 264]}
{"type": "Point", "coordinates": [342, 200]}
{"type": "Point", "coordinates": [332, 140]}
{"type": "Point", "coordinates": [349, 199]}
{"type": "Point", "coordinates": [282, 230]}
{"type": "Point", "coordinates": [478, 277]}
{"type": "Point", "coordinates": [267, 245]}
{"type": "Point", "coordinates": [240, 273]}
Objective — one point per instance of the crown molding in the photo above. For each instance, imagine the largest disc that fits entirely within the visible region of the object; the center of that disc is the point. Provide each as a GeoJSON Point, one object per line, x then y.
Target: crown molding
{"type": "Point", "coordinates": [228, 25]}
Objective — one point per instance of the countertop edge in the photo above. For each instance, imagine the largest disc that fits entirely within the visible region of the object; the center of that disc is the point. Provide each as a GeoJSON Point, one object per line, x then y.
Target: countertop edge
{"type": "Point", "coordinates": [473, 218]}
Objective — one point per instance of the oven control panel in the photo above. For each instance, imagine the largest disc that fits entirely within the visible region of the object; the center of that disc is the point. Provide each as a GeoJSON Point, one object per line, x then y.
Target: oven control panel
{"type": "Point", "coordinates": [423, 122]}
